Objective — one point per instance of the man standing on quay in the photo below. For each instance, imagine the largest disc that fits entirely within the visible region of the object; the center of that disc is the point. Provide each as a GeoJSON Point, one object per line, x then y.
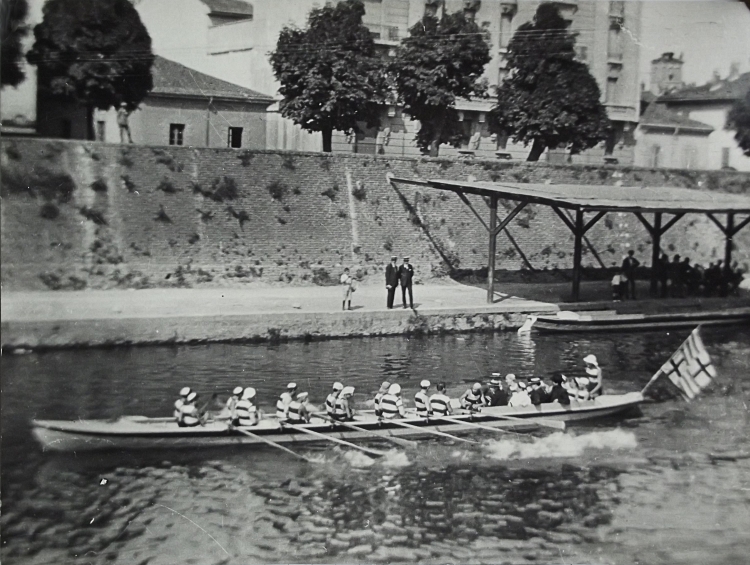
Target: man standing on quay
{"type": "Point", "coordinates": [405, 275]}
{"type": "Point", "coordinates": [391, 280]}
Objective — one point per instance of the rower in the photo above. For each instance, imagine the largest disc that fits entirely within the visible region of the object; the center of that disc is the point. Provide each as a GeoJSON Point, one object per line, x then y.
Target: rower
{"type": "Point", "coordinates": [189, 414]}
{"type": "Point", "coordinates": [343, 411]}
{"type": "Point", "coordinates": [520, 396]}
{"type": "Point", "coordinates": [422, 401]}
{"type": "Point", "coordinates": [378, 397]}
{"type": "Point", "coordinates": [298, 412]}
{"type": "Point", "coordinates": [282, 405]}
{"type": "Point", "coordinates": [391, 405]}
{"type": "Point", "coordinates": [291, 388]}
{"type": "Point", "coordinates": [233, 400]}
{"type": "Point", "coordinates": [441, 402]}
{"type": "Point", "coordinates": [473, 399]}
{"type": "Point", "coordinates": [594, 373]}
{"type": "Point", "coordinates": [246, 413]}
{"type": "Point", "coordinates": [184, 392]}
{"type": "Point", "coordinates": [559, 393]}
{"type": "Point", "coordinates": [331, 398]}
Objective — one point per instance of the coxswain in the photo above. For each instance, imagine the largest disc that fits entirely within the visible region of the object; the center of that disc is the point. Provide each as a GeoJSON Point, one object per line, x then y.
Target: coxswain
{"type": "Point", "coordinates": [184, 392]}
{"type": "Point", "coordinates": [245, 412]}
{"type": "Point", "coordinates": [232, 402]}
{"type": "Point", "coordinates": [422, 400]}
{"type": "Point", "coordinates": [520, 396]}
{"type": "Point", "coordinates": [282, 405]}
{"type": "Point", "coordinates": [472, 399]}
{"type": "Point", "coordinates": [383, 391]}
{"type": "Point", "coordinates": [496, 396]}
{"type": "Point", "coordinates": [291, 388]}
{"type": "Point", "coordinates": [298, 412]}
{"type": "Point", "coordinates": [343, 411]}
{"type": "Point", "coordinates": [391, 405]}
{"type": "Point", "coordinates": [441, 402]}
{"type": "Point", "coordinates": [331, 398]}
{"type": "Point", "coordinates": [559, 393]}
{"type": "Point", "coordinates": [538, 392]}
{"type": "Point", "coordinates": [189, 414]}
{"type": "Point", "coordinates": [594, 373]}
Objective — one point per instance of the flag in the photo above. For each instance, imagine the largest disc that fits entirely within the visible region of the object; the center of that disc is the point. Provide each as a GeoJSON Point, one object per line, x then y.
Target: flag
{"type": "Point", "coordinates": [689, 369]}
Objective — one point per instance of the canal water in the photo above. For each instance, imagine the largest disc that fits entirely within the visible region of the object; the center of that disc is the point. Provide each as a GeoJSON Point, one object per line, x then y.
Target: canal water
{"type": "Point", "coordinates": [645, 489]}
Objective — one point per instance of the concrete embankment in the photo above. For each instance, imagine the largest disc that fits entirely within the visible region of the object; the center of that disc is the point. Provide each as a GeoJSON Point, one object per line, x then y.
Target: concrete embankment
{"type": "Point", "coordinates": [41, 320]}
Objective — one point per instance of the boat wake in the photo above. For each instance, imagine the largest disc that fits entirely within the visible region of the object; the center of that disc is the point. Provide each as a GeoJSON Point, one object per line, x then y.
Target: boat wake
{"type": "Point", "coordinates": [559, 445]}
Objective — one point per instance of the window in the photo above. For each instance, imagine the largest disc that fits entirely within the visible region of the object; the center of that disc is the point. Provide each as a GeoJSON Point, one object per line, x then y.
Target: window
{"type": "Point", "coordinates": [235, 138]}
{"type": "Point", "coordinates": [100, 130]}
{"type": "Point", "coordinates": [612, 90]}
{"type": "Point", "coordinates": [506, 21]}
{"type": "Point", "coordinates": [724, 157]}
{"type": "Point", "coordinates": [655, 151]}
{"type": "Point", "coordinates": [176, 132]}
{"type": "Point", "coordinates": [614, 46]}
{"type": "Point", "coordinates": [66, 128]}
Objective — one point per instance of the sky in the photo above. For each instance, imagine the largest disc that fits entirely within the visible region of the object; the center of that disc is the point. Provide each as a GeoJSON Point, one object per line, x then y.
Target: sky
{"type": "Point", "coordinates": [711, 34]}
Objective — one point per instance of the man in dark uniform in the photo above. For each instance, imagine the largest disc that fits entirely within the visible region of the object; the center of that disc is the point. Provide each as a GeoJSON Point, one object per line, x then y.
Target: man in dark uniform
{"type": "Point", "coordinates": [496, 395]}
{"type": "Point", "coordinates": [538, 392]}
{"type": "Point", "coordinates": [391, 280]}
{"type": "Point", "coordinates": [629, 266]}
{"type": "Point", "coordinates": [405, 275]}
{"type": "Point", "coordinates": [663, 274]}
{"type": "Point", "coordinates": [558, 392]}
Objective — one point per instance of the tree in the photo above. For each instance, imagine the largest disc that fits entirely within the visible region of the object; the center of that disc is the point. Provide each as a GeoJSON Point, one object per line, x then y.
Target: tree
{"type": "Point", "coordinates": [548, 99]}
{"type": "Point", "coordinates": [94, 52]}
{"type": "Point", "coordinates": [739, 120]}
{"type": "Point", "coordinates": [440, 61]}
{"type": "Point", "coordinates": [13, 13]}
{"type": "Point", "coordinates": [331, 76]}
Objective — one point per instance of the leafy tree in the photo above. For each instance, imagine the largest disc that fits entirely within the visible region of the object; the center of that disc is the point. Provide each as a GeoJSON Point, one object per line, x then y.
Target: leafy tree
{"type": "Point", "coordinates": [331, 76]}
{"type": "Point", "coordinates": [739, 120]}
{"type": "Point", "coordinates": [549, 98]}
{"type": "Point", "coordinates": [13, 13]}
{"type": "Point", "coordinates": [440, 61]}
{"type": "Point", "coordinates": [94, 52]}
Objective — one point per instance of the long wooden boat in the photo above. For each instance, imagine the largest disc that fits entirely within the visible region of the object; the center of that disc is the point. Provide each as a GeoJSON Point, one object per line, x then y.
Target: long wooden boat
{"type": "Point", "coordinates": [137, 432]}
{"type": "Point", "coordinates": [609, 320]}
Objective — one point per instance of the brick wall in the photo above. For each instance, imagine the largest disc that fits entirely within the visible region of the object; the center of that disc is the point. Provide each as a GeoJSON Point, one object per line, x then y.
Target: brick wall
{"type": "Point", "coordinates": [78, 214]}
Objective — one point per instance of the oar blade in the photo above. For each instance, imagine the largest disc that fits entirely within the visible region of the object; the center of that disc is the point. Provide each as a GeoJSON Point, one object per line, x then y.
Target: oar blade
{"type": "Point", "coordinates": [271, 443]}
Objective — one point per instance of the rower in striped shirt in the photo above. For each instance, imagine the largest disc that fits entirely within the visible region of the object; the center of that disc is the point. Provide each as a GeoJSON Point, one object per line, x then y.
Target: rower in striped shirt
{"type": "Point", "coordinates": [331, 398]}
{"type": "Point", "coordinates": [422, 400]}
{"type": "Point", "coordinates": [441, 402]}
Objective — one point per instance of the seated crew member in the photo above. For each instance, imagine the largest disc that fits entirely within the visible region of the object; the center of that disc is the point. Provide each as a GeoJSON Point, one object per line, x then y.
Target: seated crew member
{"type": "Point", "coordinates": [520, 396]}
{"type": "Point", "coordinates": [578, 388]}
{"type": "Point", "coordinates": [331, 398]}
{"type": "Point", "coordinates": [391, 405]}
{"type": "Point", "coordinates": [232, 403]}
{"type": "Point", "coordinates": [472, 399]}
{"type": "Point", "coordinates": [594, 373]}
{"type": "Point", "coordinates": [291, 388]}
{"type": "Point", "coordinates": [245, 412]}
{"type": "Point", "coordinates": [282, 405]}
{"type": "Point", "coordinates": [422, 400]}
{"type": "Point", "coordinates": [189, 414]}
{"type": "Point", "coordinates": [538, 392]}
{"type": "Point", "coordinates": [383, 390]}
{"type": "Point", "coordinates": [184, 392]}
{"type": "Point", "coordinates": [441, 402]}
{"type": "Point", "coordinates": [343, 410]}
{"type": "Point", "coordinates": [298, 412]}
{"type": "Point", "coordinates": [559, 393]}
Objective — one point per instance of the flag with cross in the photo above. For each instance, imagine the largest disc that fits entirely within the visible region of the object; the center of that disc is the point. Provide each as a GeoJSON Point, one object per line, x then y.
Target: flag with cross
{"type": "Point", "coordinates": [689, 368]}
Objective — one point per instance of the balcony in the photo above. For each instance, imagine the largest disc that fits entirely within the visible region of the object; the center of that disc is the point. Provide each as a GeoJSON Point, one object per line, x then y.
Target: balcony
{"type": "Point", "coordinates": [621, 112]}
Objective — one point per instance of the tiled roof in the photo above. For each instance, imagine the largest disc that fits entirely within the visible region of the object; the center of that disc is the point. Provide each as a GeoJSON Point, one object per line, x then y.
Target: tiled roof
{"type": "Point", "coordinates": [229, 7]}
{"type": "Point", "coordinates": [658, 115]}
{"type": "Point", "coordinates": [720, 91]}
{"type": "Point", "coordinates": [174, 79]}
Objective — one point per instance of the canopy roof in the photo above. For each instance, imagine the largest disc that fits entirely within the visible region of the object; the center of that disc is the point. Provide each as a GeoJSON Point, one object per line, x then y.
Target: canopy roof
{"type": "Point", "coordinates": [598, 198]}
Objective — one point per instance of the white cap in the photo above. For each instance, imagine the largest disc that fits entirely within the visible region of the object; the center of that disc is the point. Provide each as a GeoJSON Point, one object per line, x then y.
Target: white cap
{"type": "Point", "coordinates": [476, 386]}
{"type": "Point", "coordinates": [302, 396]}
{"type": "Point", "coordinates": [591, 359]}
{"type": "Point", "coordinates": [495, 382]}
{"type": "Point", "coordinates": [248, 393]}
{"type": "Point", "coordinates": [184, 391]}
{"type": "Point", "coordinates": [192, 396]}
{"type": "Point", "coordinates": [337, 386]}
{"type": "Point", "coordinates": [347, 391]}
{"type": "Point", "coordinates": [521, 385]}
{"type": "Point", "coordinates": [495, 374]}
{"type": "Point", "coordinates": [425, 384]}
{"type": "Point", "coordinates": [291, 386]}
{"type": "Point", "coordinates": [510, 377]}
{"type": "Point", "coordinates": [394, 389]}
{"type": "Point", "coordinates": [237, 390]}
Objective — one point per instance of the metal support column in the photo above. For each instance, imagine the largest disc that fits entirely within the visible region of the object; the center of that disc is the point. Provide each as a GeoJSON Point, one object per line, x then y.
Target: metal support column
{"type": "Point", "coordinates": [728, 234]}
{"type": "Point", "coordinates": [655, 254]}
{"type": "Point", "coordinates": [577, 252]}
{"type": "Point", "coordinates": [492, 250]}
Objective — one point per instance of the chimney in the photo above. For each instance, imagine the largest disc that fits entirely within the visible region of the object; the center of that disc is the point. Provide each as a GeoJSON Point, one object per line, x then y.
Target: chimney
{"type": "Point", "coordinates": [734, 70]}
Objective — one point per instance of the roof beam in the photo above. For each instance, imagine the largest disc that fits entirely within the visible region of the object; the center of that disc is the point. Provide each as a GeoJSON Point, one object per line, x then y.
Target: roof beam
{"type": "Point", "coordinates": [465, 200]}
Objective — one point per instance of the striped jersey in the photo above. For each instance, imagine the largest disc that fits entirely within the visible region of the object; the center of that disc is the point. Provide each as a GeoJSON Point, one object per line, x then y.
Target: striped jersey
{"type": "Point", "coordinates": [246, 413]}
{"type": "Point", "coordinates": [422, 403]}
{"type": "Point", "coordinates": [391, 406]}
{"type": "Point", "coordinates": [441, 404]}
{"type": "Point", "coordinates": [331, 403]}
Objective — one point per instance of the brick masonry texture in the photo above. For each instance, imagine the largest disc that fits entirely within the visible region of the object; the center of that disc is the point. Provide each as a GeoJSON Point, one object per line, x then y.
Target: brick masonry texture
{"type": "Point", "coordinates": [92, 215]}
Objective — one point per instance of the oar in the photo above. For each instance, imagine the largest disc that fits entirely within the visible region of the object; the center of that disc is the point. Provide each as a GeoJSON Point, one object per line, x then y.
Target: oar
{"type": "Point", "coordinates": [428, 431]}
{"type": "Point", "coordinates": [470, 424]}
{"type": "Point", "coordinates": [269, 442]}
{"type": "Point", "coordinates": [533, 419]}
{"type": "Point", "coordinates": [374, 452]}
{"type": "Point", "coordinates": [396, 440]}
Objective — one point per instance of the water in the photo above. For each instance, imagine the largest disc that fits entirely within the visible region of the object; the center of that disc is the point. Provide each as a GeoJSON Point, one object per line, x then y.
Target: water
{"type": "Point", "coordinates": [639, 490]}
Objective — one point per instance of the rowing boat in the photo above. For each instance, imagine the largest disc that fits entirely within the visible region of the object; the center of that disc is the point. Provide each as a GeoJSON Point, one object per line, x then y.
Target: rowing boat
{"type": "Point", "coordinates": [138, 432]}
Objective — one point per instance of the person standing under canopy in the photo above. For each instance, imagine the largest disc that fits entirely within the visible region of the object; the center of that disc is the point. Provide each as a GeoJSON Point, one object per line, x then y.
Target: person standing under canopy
{"type": "Point", "coordinates": [379, 396]}
{"type": "Point", "coordinates": [473, 399]}
{"type": "Point", "coordinates": [391, 405]}
{"type": "Point", "coordinates": [343, 411]}
{"type": "Point", "coordinates": [331, 398]}
{"type": "Point", "coordinates": [422, 400]}
{"type": "Point", "coordinates": [594, 373]}
{"type": "Point", "coordinates": [629, 267]}
{"type": "Point", "coordinates": [246, 413]}
{"type": "Point", "coordinates": [441, 402]}
{"type": "Point", "coordinates": [184, 392]}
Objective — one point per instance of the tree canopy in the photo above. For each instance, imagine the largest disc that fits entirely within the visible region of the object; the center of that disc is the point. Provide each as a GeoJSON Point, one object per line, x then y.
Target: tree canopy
{"type": "Point", "coordinates": [738, 119]}
{"type": "Point", "coordinates": [13, 14]}
{"type": "Point", "coordinates": [548, 99]}
{"type": "Point", "coordinates": [440, 61]}
{"type": "Point", "coordinates": [330, 73]}
{"type": "Point", "coordinates": [95, 52]}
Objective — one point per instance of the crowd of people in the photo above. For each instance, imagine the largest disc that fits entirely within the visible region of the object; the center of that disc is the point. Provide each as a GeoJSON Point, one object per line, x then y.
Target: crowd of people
{"type": "Point", "coordinates": [679, 278]}
{"type": "Point", "coordinates": [292, 406]}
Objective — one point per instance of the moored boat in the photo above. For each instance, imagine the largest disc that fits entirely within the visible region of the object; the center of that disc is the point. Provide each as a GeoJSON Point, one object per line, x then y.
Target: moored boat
{"type": "Point", "coordinates": [136, 432]}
